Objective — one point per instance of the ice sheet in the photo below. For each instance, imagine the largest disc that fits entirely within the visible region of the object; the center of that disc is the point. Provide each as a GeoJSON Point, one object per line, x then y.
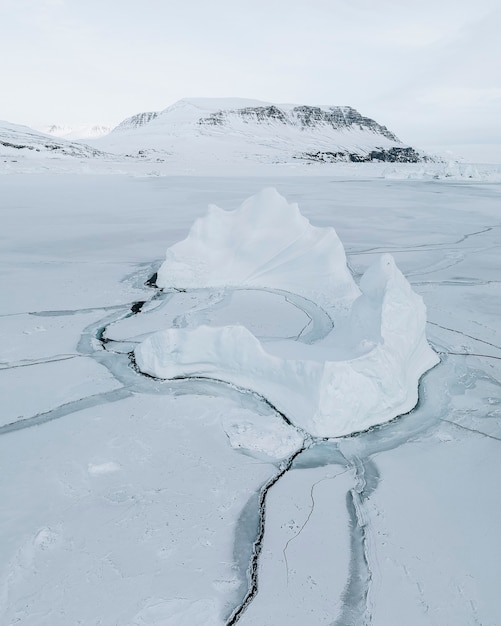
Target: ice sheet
{"type": "Point", "coordinates": [124, 505]}
{"type": "Point", "coordinates": [91, 493]}
{"type": "Point", "coordinates": [32, 389]}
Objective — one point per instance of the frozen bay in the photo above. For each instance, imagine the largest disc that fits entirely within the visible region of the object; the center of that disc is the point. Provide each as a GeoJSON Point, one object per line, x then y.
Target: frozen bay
{"type": "Point", "coordinates": [136, 509]}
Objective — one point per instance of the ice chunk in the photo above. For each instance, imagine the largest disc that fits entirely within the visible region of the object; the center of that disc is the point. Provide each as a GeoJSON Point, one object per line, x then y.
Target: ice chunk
{"type": "Point", "coordinates": [97, 469]}
{"type": "Point", "coordinates": [264, 436]}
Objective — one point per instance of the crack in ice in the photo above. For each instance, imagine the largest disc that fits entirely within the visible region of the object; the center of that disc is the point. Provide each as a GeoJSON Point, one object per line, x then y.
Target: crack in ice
{"type": "Point", "coordinates": [459, 332]}
{"type": "Point", "coordinates": [427, 246]}
{"type": "Point", "coordinates": [55, 359]}
{"type": "Point", "coordinates": [66, 409]}
{"type": "Point", "coordinates": [253, 573]}
{"type": "Point", "coordinates": [305, 523]}
{"type": "Point", "coordinates": [471, 430]}
{"type": "Point", "coordinates": [355, 597]}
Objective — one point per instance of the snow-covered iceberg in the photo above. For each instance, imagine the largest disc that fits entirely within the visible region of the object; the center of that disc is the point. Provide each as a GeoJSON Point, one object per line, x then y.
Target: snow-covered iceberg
{"type": "Point", "coordinates": [363, 373]}
{"type": "Point", "coordinates": [266, 243]}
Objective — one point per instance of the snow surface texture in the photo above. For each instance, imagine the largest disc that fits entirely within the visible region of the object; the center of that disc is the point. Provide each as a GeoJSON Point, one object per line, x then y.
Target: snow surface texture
{"type": "Point", "coordinates": [365, 372]}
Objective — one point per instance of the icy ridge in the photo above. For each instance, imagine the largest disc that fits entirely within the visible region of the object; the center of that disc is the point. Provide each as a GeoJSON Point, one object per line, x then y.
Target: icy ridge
{"type": "Point", "coordinates": [365, 372]}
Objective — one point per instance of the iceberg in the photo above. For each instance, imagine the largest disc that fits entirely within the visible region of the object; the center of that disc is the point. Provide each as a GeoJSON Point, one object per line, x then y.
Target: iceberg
{"type": "Point", "coordinates": [266, 243]}
{"type": "Point", "coordinates": [363, 373]}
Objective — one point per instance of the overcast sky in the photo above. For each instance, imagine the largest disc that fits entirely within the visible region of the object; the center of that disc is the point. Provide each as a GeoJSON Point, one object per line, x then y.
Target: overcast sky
{"type": "Point", "coordinates": [429, 70]}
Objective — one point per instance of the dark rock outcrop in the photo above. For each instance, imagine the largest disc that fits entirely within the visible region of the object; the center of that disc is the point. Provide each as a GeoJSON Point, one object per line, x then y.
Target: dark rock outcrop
{"type": "Point", "coordinates": [389, 155]}
{"type": "Point", "coordinates": [136, 121]}
{"type": "Point", "coordinates": [305, 117]}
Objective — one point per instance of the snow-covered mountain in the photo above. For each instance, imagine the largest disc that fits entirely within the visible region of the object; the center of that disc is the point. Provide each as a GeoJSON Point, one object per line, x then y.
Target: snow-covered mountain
{"type": "Point", "coordinates": [86, 131]}
{"type": "Point", "coordinates": [234, 129]}
{"type": "Point", "coordinates": [21, 140]}
{"type": "Point", "coordinates": [222, 136]}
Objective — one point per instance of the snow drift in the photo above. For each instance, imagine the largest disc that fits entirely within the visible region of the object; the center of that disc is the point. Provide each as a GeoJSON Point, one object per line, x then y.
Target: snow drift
{"type": "Point", "coordinates": [365, 372]}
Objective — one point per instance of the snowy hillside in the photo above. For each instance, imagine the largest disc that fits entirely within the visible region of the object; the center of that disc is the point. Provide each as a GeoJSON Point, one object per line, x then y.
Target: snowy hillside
{"type": "Point", "coordinates": [234, 129]}
{"type": "Point", "coordinates": [86, 131]}
{"type": "Point", "coordinates": [136, 121]}
{"type": "Point", "coordinates": [17, 140]}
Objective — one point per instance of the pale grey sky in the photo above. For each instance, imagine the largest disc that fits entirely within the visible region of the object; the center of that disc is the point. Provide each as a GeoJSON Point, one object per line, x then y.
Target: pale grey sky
{"type": "Point", "coordinates": [429, 70]}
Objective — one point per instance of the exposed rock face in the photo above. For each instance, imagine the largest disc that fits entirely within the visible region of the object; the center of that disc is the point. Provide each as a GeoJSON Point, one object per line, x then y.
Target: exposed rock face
{"type": "Point", "coordinates": [136, 121]}
{"type": "Point", "coordinates": [248, 114]}
{"type": "Point", "coordinates": [390, 155]}
{"type": "Point", "coordinates": [301, 116]}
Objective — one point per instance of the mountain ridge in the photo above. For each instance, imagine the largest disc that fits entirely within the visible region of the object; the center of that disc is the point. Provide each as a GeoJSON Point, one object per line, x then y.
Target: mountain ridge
{"type": "Point", "coordinates": [231, 129]}
{"type": "Point", "coordinates": [196, 134]}
{"type": "Point", "coordinates": [78, 133]}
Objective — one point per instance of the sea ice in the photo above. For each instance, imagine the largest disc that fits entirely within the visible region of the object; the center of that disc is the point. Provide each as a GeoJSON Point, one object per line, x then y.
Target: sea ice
{"type": "Point", "coordinates": [172, 530]}
{"type": "Point", "coordinates": [365, 372]}
{"type": "Point", "coordinates": [32, 389]}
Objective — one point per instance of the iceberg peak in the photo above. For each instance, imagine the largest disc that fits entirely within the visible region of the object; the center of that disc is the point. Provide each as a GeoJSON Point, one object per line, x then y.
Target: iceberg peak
{"type": "Point", "coordinates": [265, 243]}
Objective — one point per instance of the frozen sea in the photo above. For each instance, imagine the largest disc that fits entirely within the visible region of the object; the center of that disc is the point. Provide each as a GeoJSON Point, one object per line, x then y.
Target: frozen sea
{"type": "Point", "coordinates": [127, 500]}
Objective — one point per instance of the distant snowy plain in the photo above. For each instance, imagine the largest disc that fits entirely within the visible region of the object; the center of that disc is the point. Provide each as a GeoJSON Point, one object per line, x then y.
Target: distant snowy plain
{"type": "Point", "coordinates": [129, 500]}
